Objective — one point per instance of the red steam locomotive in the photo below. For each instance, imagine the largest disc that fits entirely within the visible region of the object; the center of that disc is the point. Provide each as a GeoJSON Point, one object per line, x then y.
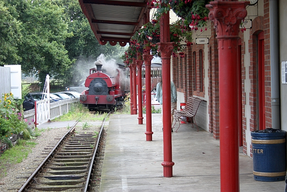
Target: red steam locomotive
{"type": "Point", "coordinates": [105, 92]}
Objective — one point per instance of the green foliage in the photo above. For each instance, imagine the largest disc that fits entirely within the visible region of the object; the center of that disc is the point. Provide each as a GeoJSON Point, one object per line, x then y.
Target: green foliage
{"type": "Point", "coordinates": [11, 121]}
{"type": "Point", "coordinates": [149, 36]}
{"type": "Point", "coordinates": [96, 134]}
{"type": "Point", "coordinates": [83, 48]}
{"type": "Point", "coordinates": [49, 37]}
{"type": "Point", "coordinates": [43, 32]}
{"type": "Point", "coordinates": [193, 12]}
{"type": "Point", "coordinates": [127, 106]}
{"type": "Point", "coordinates": [86, 126]}
{"type": "Point", "coordinates": [10, 36]}
{"type": "Point", "coordinates": [153, 110]}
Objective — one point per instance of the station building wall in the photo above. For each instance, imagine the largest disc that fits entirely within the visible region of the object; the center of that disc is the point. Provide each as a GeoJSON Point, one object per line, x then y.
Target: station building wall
{"type": "Point", "coordinates": [197, 74]}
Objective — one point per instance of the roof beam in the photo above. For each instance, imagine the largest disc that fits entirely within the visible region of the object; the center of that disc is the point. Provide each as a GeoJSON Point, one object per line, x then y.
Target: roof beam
{"type": "Point", "coordinates": [114, 33]}
{"type": "Point", "coordinates": [120, 3]}
{"type": "Point", "coordinates": [114, 22]}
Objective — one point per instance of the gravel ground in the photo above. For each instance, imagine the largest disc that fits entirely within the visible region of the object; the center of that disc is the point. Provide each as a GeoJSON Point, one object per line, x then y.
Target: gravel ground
{"type": "Point", "coordinates": [17, 174]}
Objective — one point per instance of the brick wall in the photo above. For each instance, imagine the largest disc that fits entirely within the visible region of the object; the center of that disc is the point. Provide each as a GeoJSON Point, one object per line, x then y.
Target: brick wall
{"type": "Point", "coordinates": [182, 72]}
{"type": "Point", "coordinates": [197, 91]}
{"type": "Point", "coordinates": [259, 24]}
{"type": "Point", "coordinates": [213, 108]}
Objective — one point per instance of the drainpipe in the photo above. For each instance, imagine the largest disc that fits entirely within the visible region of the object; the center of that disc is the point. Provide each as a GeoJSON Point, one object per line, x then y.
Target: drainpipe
{"type": "Point", "coordinates": [274, 64]}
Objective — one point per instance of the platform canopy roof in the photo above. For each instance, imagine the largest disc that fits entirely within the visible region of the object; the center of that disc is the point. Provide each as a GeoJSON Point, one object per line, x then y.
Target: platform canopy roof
{"type": "Point", "coordinates": [115, 21]}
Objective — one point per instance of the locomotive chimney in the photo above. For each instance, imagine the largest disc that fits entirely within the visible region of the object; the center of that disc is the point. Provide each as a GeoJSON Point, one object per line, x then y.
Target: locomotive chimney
{"type": "Point", "coordinates": [99, 65]}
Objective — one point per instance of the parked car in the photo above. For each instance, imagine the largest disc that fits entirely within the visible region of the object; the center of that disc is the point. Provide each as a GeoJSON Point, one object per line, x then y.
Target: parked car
{"type": "Point", "coordinates": [30, 98]}
{"type": "Point", "coordinates": [54, 97]}
{"type": "Point", "coordinates": [62, 95]}
{"type": "Point", "coordinates": [74, 94]}
{"type": "Point", "coordinates": [78, 89]}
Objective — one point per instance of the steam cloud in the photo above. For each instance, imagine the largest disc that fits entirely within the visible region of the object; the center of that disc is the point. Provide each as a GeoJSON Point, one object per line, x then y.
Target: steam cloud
{"type": "Point", "coordinates": [111, 68]}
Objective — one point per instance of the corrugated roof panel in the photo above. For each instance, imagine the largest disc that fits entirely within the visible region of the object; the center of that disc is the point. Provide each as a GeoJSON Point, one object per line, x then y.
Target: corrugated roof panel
{"type": "Point", "coordinates": [115, 20]}
{"type": "Point", "coordinates": [115, 27]}
{"type": "Point", "coordinates": [116, 13]}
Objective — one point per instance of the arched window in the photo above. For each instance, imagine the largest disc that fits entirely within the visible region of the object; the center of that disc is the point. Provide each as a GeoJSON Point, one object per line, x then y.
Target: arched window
{"type": "Point", "coordinates": [177, 72]}
{"type": "Point", "coordinates": [181, 72]}
{"type": "Point", "coordinates": [194, 71]}
{"type": "Point", "coordinates": [200, 68]}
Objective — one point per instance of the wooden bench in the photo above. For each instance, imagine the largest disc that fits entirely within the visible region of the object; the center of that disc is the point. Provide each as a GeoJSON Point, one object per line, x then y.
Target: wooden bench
{"type": "Point", "coordinates": [190, 111]}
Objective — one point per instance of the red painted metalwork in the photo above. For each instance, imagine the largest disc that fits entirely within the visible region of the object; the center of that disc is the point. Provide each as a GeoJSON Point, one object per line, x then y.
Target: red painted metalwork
{"type": "Point", "coordinates": [131, 89]}
{"type": "Point", "coordinates": [165, 47]}
{"type": "Point", "coordinates": [96, 99]}
{"type": "Point", "coordinates": [239, 81]}
{"type": "Point", "coordinates": [261, 81]}
{"type": "Point", "coordinates": [227, 16]}
{"type": "Point", "coordinates": [139, 66]}
{"type": "Point", "coordinates": [147, 60]}
{"type": "Point", "coordinates": [134, 87]}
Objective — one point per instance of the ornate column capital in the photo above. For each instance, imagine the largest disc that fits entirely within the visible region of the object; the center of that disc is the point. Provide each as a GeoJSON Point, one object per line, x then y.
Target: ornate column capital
{"type": "Point", "coordinates": [165, 49]}
{"type": "Point", "coordinates": [227, 16]}
{"type": "Point", "coordinates": [147, 59]}
{"type": "Point", "coordinates": [139, 63]}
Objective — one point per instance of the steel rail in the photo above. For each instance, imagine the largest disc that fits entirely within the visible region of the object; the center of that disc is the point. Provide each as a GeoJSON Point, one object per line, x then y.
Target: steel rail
{"type": "Point", "coordinates": [94, 154]}
{"type": "Point", "coordinates": [46, 159]}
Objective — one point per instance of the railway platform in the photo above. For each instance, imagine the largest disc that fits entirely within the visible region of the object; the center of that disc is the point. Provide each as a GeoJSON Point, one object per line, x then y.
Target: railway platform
{"type": "Point", "coordinates": [133, 164]}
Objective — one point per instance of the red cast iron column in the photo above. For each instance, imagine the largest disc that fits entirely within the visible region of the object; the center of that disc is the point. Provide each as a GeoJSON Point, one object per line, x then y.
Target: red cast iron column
{"type": "Point", "coordinates": [227, 16]}
{"type": "Point", "coordinates": [147, 60]}
{"type": "Point", "coordinates": [131, 88]}
{"type": "Point", "coordinates": [134, 87]}
{"type": "Point", "coordinates": [165, 47]}
{"type": "Point", "coordinates": [139, 65]}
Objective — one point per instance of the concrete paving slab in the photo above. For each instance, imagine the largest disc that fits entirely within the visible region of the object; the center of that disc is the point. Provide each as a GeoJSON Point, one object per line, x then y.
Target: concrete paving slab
{"type": "Point", "coordinates": [133, 164]}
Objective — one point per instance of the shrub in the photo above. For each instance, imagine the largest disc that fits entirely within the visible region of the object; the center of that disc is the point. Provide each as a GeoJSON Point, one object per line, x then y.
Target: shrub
{"type": "Point", "coordinates": [11, 119]}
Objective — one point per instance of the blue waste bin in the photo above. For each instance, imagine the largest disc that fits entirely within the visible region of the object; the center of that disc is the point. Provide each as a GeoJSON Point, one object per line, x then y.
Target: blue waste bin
{"type": "Point", "coordinates": [268, 147]}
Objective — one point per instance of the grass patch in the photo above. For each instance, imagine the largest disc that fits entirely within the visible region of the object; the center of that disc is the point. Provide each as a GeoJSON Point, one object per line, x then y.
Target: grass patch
{"type": "Point", "coordinates": [15, 155]}
{"type": "Point", "coordinates": [86, 126]}
{"type": "Point", "coordinates": [79, 111]}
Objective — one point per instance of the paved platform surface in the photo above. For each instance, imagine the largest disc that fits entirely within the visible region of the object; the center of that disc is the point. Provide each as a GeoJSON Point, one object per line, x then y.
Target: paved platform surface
{"type": "Point", "coordinates": [133, 164]}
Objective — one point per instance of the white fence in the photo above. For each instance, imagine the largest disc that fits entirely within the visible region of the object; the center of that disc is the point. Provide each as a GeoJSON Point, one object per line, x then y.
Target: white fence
{"type": "Point", "coordinates": [43, 115]}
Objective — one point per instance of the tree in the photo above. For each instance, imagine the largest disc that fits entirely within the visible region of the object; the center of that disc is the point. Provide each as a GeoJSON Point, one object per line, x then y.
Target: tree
{"type": "Point", "coordinates": [44, 32]}
{"type": "Point", "coordinates": [48, 37]}
{"type": "Point", "coordinates": [82, 46]}
{"type": "Point", "coordinates": [10, 36]}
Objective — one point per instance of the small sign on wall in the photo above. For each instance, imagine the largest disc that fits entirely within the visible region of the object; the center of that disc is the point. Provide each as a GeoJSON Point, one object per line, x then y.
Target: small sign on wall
{"type": "Point", "coordinates": [204, 40]}
{"type": "Point", "coordinates": [284, 72]}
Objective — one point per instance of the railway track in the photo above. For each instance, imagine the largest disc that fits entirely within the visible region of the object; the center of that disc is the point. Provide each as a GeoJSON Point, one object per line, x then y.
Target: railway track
{"type": "Point", "coordinates": [72, 165]}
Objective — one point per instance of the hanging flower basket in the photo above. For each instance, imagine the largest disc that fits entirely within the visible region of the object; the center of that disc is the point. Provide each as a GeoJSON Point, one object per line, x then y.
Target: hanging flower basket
{"type": "Point", "coordinates": [181, 8]}
{"type": "Point", "coordinates": [152, 31]}
{"type": "Point", "coordinates": [154, 38]}
{"type": "Point", "coordinates": [191, 11]}
{"type": "Point", "coordinates": [149, 35]}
